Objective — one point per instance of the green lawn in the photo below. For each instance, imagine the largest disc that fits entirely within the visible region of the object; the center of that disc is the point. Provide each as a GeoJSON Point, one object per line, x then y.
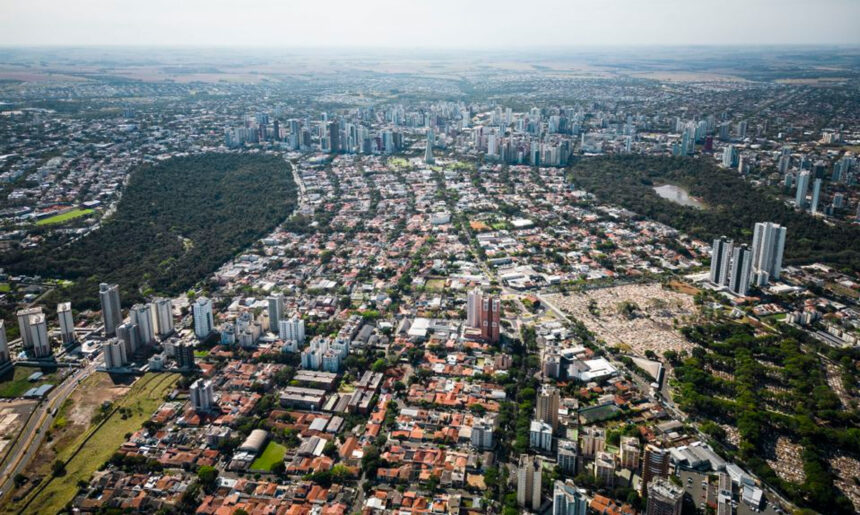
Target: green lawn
{"type": "Point", "coordinates": [273, 453]}
{"type": "Point", "coordinates": [65, 217]}
{"type": "Point", "coordinates": [14, 382]}
{"type": "Point", "coordinates": [85, 456]}
{"type": "Point", "coordinates": [5, 287]}
{"type": "Point", "coordinates": [201, 353]}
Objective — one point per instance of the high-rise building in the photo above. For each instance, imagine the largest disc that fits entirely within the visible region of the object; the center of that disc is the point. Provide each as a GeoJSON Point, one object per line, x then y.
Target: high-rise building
{"type": "Point", "coordinates": [490, 317]}
{"type": "Point", "coordinates": [276, 311]}
{"type": "Point", "coordinates": [184, 354]}
{"type": "Point", "coordinates": [473, 309]}
{"type": "Point", "coordinates": [292, 330]}
{"type": "Point", "coordinates": [604, 468]}
{"type": "Point", "coordinates": [111, 308]}
{"type": "Point", "coordinates": [767, 249]}
{"type": "Point", "coordinates": [24, 328]}
{"type": "Point", "coordinates": [629, 453]}
{"type": "Point", "coordinates": [566, 456]}
{"type": "Point", "coordinates": [129, 335]}
{"type": "Point", "coordinates": [739, 276]}
{"type": "Point", "coordinates": [67, 322]}
{"type": "Point", "coordinates": [593, 441]}
{"type": "Point", "coordinates": [568, 499]}
{"type": "Point", "coordinates": [482, 434]}
{"type": "Point", "coordinates": [114, 353]}
{"type": "Point", "coordinates": [202, 397]}
{"type": "Point", "coordinates": [802, 188]}
{"type": "Point", "coordinates": [204, 324]}
{"type": "Point", "coordinates": [540, 436]}
{"type": "Point", "coordinates": [547, 406]}
{"type": "Point", "coordinates": [428, 152]}
{"type": "Point", "coordinates": [141, 316]}
{"type": "Point", "coordinates": [664, 498]}
{"type": "Point", "coordinates": [816, 194]}
{"type": "Point", "coordinates": [529, 482]}
{"type": "Point", "coordinates": [655, 464]}
{"type": "Point", "coordinates": [34, 333]}
{"type": "Point", "coordinates": [721, 253]}
{"type": "Point", "coordinates": [163, 316]}
{"type": "Point", "coordinates": [5, 358]}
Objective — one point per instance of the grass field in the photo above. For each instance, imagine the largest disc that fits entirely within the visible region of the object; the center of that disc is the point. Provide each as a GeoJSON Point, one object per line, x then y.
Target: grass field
{"type": "Point", "coordinates": [95, 446]}
{"type": "Point", "coordinates": [14, 383]}
{"type": "Point", "coordinates": [435, 284]}
{"type": "Point", "coordinates": [65, 217]}
{"type": "Point", "coordinates": [273, 453]}
{"type": "Point", "coordinates": [5, 287]}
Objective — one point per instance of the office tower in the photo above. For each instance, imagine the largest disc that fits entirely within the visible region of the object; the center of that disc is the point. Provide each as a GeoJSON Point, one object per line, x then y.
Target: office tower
{"type": "Point", "coordinates": [4, 347]}
{"type": "Point", "coordinates": [203, 321]}
{"type": "Point", "coordinates": [547, 406]}
{"type": "Point", "coordinates": [739, 276]}
{"type": "Point", "coordinates": [276, 310]}
{"type": "Point", "coordinates": [664, 498]}
{"type": "Point", "coordinates": [114, 354]}
{"type": "Point", "coordinates": [428, 152]}
{"type": "Point", "coordinates": [566, 456]}
{"type": "Point", "coordinates": [24, 328]}
{"type": "Point", "coordinates": [141, 316]}
{"type": "Point", "coordinates": [568, 499]}
{"type": "Point", "coordinates": [164, 316]}
{"type": "Point", "coordinates": [482, 434]}
{"type": "Point", "coordinates": [655, 464]}
{"type": "Point", "coordinates": [767, 249]}
{"type": "Point", "coordinates": [593, 441]}
{"type": "Point", "coordinates": [473, 309]}
{"type": "Point", "coordinates": [129, 335]}
{"type": "Point", "coordinates": [721, 253]}
{"type": "Point", "coordinates": [202, 397]}
{"type": "Point", "coordinates": [629, 454]}
{"type": "Point", "coordinates": [802, 188]}
{"type": "Point", "coordinates": [604, 468]}
{"type": "Point", "coordinates": [490, 318]}
{"type": "Point", "coordinates": [528, 482]}
{"type": "Point", "coordinates": [816, 194]}
{"type": "Point", "coordinates": [111, 309]}
{"type": "Point", "coordinates": [184, 354]}
{"type": "Point", "coordinates": [292, 329]}
{"type": "Point", "coordinates": [67, 322]}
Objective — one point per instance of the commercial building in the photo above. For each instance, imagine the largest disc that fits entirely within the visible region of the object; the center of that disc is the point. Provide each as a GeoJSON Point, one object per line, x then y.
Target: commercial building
{"type": "Point", "coordinates": [111, 308]}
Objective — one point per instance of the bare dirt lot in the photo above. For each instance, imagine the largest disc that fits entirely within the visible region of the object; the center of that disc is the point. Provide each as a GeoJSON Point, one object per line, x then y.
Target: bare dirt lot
{"type": "Point", "coordinates": [635, 317]}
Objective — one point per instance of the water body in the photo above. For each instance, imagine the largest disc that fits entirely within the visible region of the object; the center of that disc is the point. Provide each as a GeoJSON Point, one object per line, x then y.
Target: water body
{"type": "Point", "coordinates": [678, 196]}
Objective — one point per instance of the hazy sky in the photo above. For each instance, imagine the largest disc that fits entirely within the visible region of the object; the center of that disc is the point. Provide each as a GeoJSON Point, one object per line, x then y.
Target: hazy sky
{"type": "Point", "coordinates": [427, 23]}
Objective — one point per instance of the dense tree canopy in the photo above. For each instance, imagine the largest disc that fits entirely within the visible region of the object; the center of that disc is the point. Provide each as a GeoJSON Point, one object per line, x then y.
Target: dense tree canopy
{"type": "Point", "coordinates": [177, 221]}
{"type": "Point", "coordinates": [733, 206]}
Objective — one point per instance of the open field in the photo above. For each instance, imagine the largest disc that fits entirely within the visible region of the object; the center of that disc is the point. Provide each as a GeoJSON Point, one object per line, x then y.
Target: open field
{"type": "Point", "coordinates": [273, 453]}
{"type": "Point", "coordinates": [65, 217]}
{"type": "Point", "coordinates": [636, 317]}
{"type": "Point", "coordinates": [14, 383]}
{"type": "Point", "coordinates": [96, 445]}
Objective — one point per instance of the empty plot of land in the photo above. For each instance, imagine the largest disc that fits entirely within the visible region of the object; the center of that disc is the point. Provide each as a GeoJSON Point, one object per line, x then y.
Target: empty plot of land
{"type": "Point", "coordinates": [636, 317]}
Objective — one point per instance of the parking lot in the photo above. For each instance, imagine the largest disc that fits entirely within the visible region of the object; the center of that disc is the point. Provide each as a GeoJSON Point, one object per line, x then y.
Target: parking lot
{"type": "Point", "coordinates": [699, 496]}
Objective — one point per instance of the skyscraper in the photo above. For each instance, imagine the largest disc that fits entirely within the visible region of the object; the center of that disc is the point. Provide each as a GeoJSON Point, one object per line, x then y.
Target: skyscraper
{"type": "Point", "coordinates": [490, 317]}
{"type": "Point", "coordinates": [767, 249]}
{"type": "Point", "coordinates": [5, 359]}
{"type": "Point", "coordinates": [739, 276]}
{"type": "Point", "coordinates": [292, 329]}
{"type": "Point", "coordinates": [111, 309]}
{"type": "Point", "coordinates": [141, 316]}
{"type": "Point", "coordinates": [473, 309]}
{"type": "Point", "coordinates": [38, 329]}
{"type": "Point", "coordinates": [721, 252]}
{"type": "Point", "coordinates": [428, 152]}
{"type": "Point", "coordinates": [547, 406]}
{"type": "Point", "coordinates": [664, 498]}
{"type": "Point", "coordinates": [568, 499]}
{"type": "Point", "coordinates": [114, 353]}
{"type": "Point", "coordinates": [67, 322]}
{"type": "Point", "coordinates": [164, 316]}
{"type": "Point", "coordinates": [24, 328]}
{"type": "Point", "coordinates": [528, 482]}
{"type": "Point", "coordinates": [276, 310]}
{"type": "Point", "coordinates": [204, 324]}
{"type": "Point", "coordinates": [655, 464]}
{"type": "Point", "coordinates": [802, 188]}
{"type": "Point", "coordinates": [816, 194]}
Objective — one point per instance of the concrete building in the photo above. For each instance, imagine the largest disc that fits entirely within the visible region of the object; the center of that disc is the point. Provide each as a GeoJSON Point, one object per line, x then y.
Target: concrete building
{"type": "Point", "coordinates": [473, 309]}
{"type": "Point", "coordinates": [24, 328]}
{"type": "Point", "coordinates": [529, 482]}
{"type": "Point", "coordinates": [67, 323]}
{"type": "Point", "coordinates": [547, 406]}
{"type": "Point", "coordinates": [816, 195]}
{"type": "Point", "coordinates": [34, 333]}
{"type": "Point", "coordinates": [292, 330]}
{"type": "Point", "coordinates": [567, 456]}
{"type": "Point", "coordinates": [721, 255]}
{"type": "Point", "coordinates": [604, 468]}
{"type": "Point", "coordinates": [767, 250]}
{"type": "Point", "coordinates": [5, 358]}
{"type": "Point", "coordinates": [491, 310]}
{"type": "Point", "coordinates": [163, 316]}
{"type": "Point", "coordinates": [127, 333]}
{"type": "Point", "coordinates": [482, 434]}
{"type": "Point", "coordinates": [184, 355]}
{"type": "Point", "coordinates": [568, 499]}
{"type": "Point", "coordinates": [664, 498]}
{"type": "Point", "coordinates": [276, 311]}
{"type": "Point", "coordinates": [203, 321]}
{"type": "Point", "coordinates": [202, 397]}
{"type": "Point", "coordinates": [141, 316]}
{"type": "Point", "coordinates": [540, 436]}
{"type": "Point", "coordinates": [629, 453]}
{"type": "Point", "coordinates": [655, 464]}
{"type": "Point", "coordinates": [114, 354]}
{"type": "Point", "coordinates": [111, 308]}
{"type": "Point", "coordinates": [593, 441]}
{"type": "Point", "coordinates": [741, 270]}
{"type": "Point", "coordinates": [802, 188]}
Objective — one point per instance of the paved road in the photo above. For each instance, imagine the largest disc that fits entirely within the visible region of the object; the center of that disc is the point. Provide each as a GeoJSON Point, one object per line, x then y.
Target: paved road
{"type": "Point", "coordinates": [37, 426]}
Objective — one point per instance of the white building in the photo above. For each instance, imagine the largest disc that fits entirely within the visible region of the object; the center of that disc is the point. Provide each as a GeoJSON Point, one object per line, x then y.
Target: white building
{"type": "Point", "coordinates": [482, 434]}
{"type": "Point", "coordinates": [111, 309]}
{"type": "Point", "coordinates": [114, 353]}
{"type": "Point", "coordinates": [67, 322]}
{"type": "Point", "coordinates": [202, 397]}
{"type": "Point", "coordinates": [204, 324]}
{"type": "Point", "coordinates": [802, 188]}
{"type": "Point", "coordinates": [163, 316]}
{"type": "Point", "coordinates": [767, 250]}
{"type": "Point", "coordinates": [540, 436]}
{"type": "Point", "coordinates": [4, 344]}
{"type": "Point", "coordinates": [568, 499]}
{"type": "Point", "coordinates": [141, 316]}
{"type": "Point", "coordinates": [292, 329]}
{"type": "Point", "coordinates": [276, 310]}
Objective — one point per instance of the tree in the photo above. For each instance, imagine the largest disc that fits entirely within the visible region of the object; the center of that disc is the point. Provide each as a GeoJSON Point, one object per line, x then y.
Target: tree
{"type": "Point", "coordinates": [58, 468]}
{"type": "Point", "coordinates": [207, 475]}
